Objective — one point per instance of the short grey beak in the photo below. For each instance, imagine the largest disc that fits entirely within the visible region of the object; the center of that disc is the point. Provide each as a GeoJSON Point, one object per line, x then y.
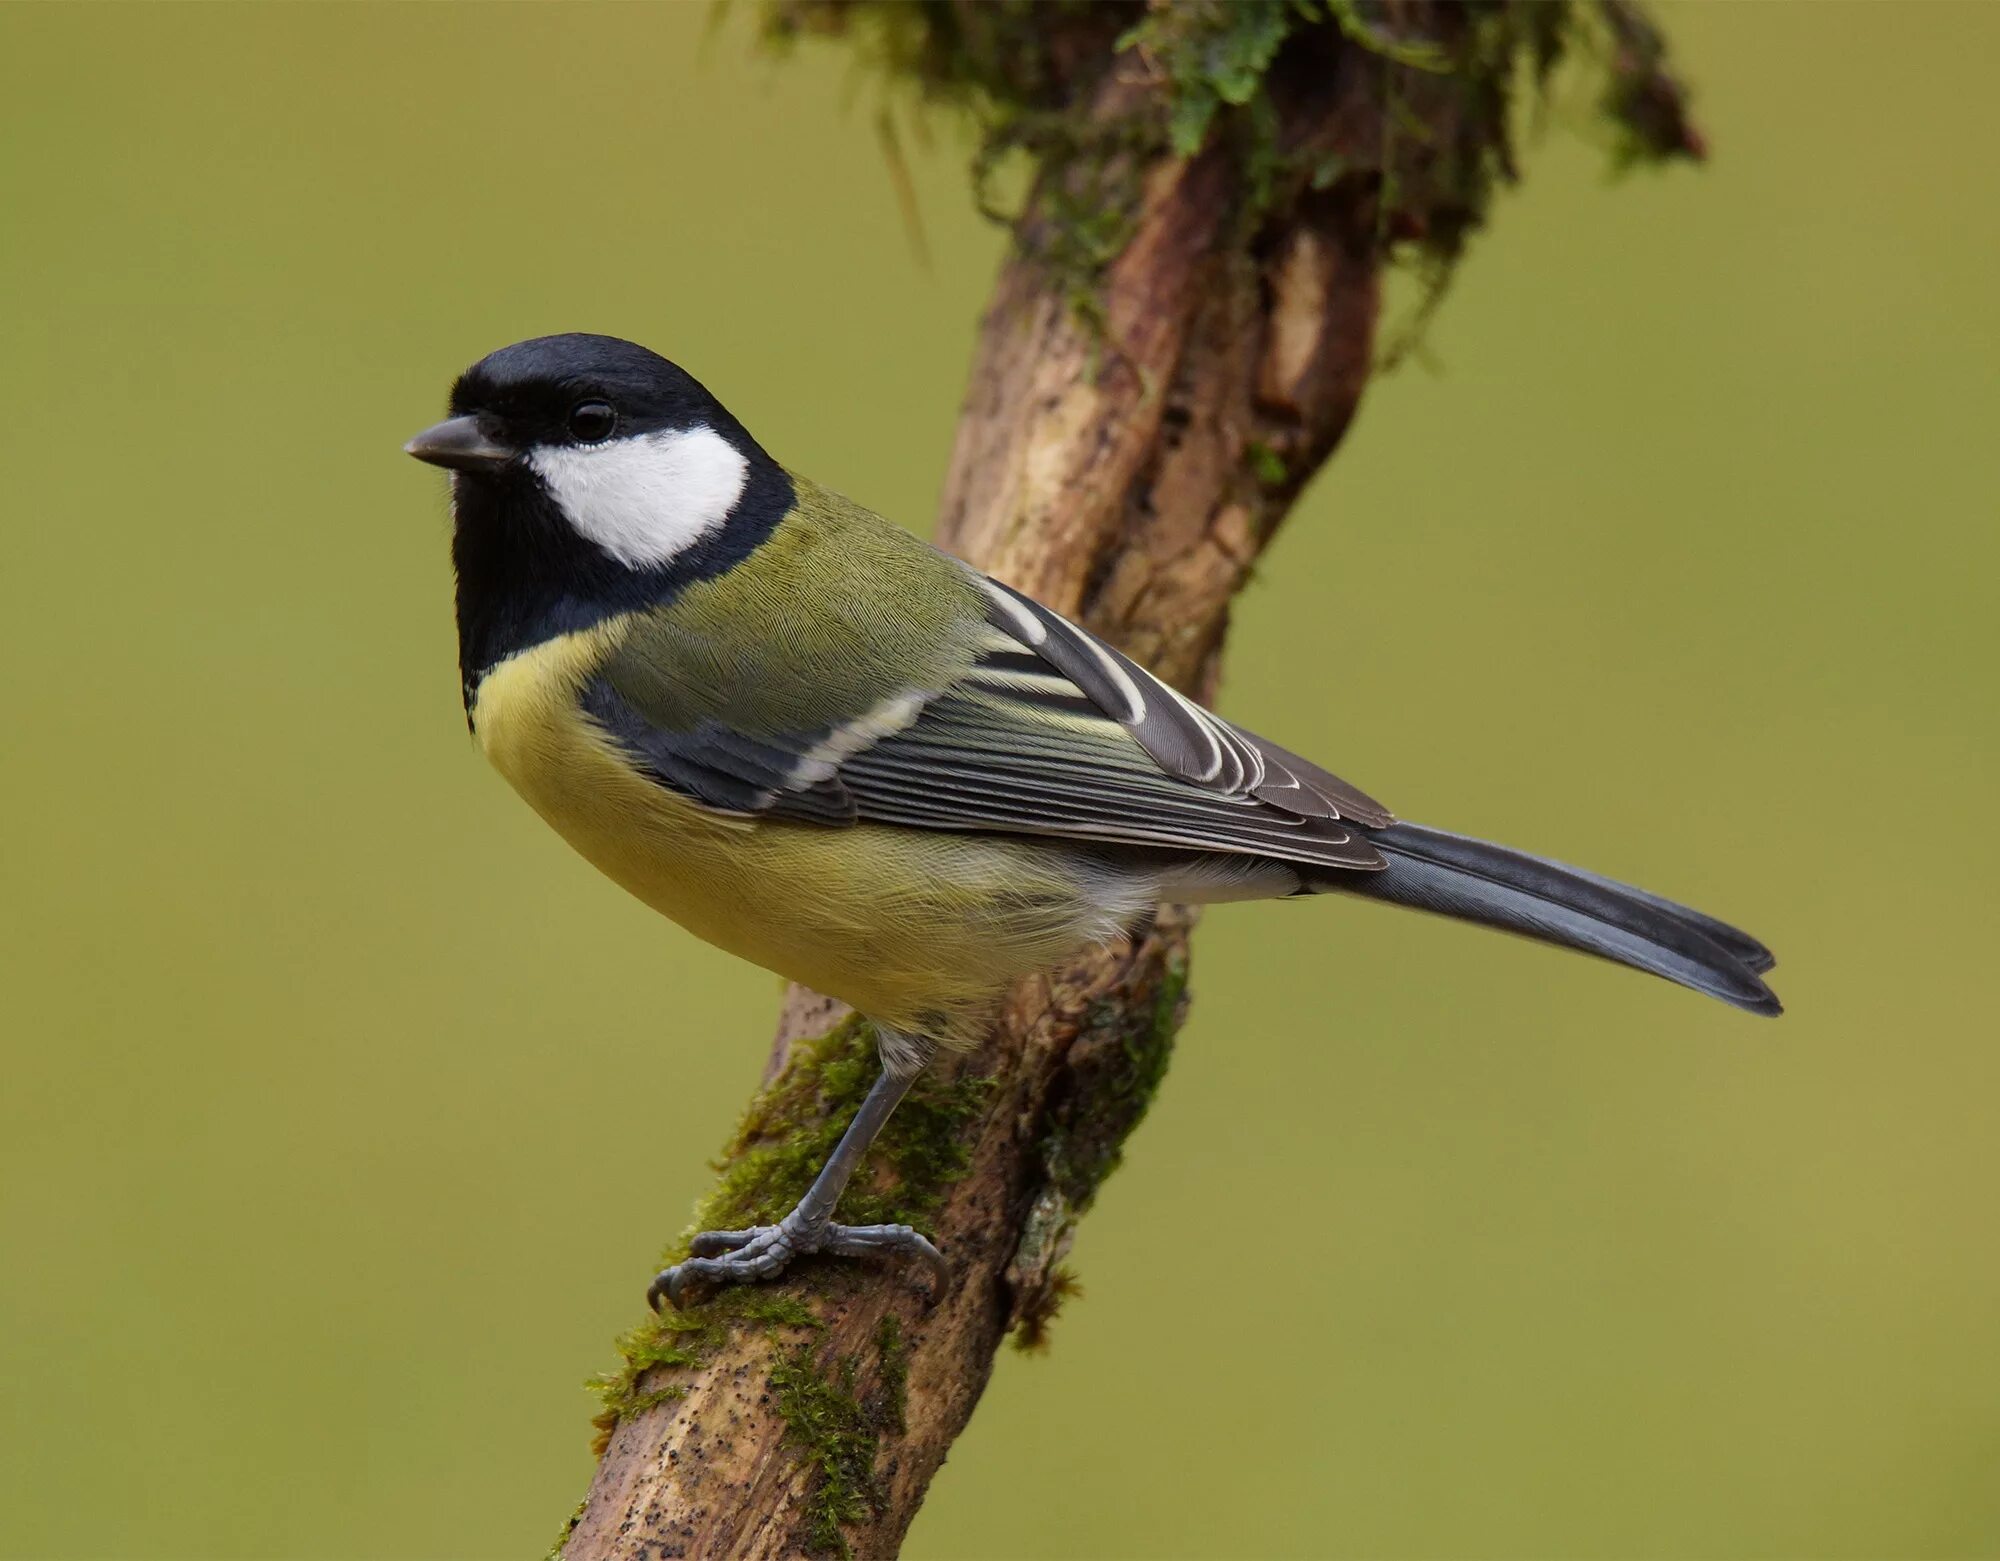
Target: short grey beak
{"type": "Point", "coordinates": [461, 444]}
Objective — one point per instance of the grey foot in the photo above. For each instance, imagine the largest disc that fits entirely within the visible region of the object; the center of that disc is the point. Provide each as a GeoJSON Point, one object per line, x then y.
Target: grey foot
{"type": "Point", "coordinates": [740, 1257]}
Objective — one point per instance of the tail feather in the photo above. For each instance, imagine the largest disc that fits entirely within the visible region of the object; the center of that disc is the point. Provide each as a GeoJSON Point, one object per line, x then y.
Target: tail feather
{"type": "Point", "coordinates": [1474, 880]}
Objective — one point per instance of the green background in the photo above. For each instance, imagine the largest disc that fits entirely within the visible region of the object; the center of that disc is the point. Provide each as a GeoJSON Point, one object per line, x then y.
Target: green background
{"type": "Point", "coordinates": [343, 1109]}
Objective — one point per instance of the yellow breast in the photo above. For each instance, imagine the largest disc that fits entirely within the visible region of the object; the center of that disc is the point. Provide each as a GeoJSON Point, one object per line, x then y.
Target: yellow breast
{"type": "Point", "coordinates": [919, 929]}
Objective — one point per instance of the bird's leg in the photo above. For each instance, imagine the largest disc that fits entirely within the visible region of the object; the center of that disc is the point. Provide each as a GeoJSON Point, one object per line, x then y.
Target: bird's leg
{"type": "Point", "coordinates": [725, 1257]}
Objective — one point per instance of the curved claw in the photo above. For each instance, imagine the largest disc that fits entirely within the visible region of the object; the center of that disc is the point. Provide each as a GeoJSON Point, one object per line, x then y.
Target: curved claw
{"type": "Point", "coordinates": [661, 1289]}
{"type": "Point", "coordinates": [676, 1285]}
{"type": "Point", "coordinates": [926, 1252]}
{"type": "Point", "coordinates": [899, 1240]}
{"type": "Point", "coordinates": [672, 1283]}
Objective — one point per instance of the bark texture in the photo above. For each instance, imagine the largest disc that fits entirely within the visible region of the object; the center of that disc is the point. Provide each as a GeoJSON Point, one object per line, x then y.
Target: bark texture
{"type": "Point", "coordinates": [1127, 471]}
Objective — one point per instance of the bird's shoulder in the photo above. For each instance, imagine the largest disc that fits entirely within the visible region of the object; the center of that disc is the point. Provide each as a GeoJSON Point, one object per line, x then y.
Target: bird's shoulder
{"type": "Point", "coordinates": [837, 612]}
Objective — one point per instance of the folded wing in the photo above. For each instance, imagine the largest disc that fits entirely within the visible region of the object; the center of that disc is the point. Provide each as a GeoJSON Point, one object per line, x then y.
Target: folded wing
{"type": "Point", "coordinates": [1047, 731]}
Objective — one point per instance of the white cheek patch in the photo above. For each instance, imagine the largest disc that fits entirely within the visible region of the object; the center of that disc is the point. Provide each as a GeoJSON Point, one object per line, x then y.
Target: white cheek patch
{"type": "Point", "coordinates": [645, 500]}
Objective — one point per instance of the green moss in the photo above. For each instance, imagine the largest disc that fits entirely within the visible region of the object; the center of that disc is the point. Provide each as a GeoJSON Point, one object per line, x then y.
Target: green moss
{"type": "Point", "coordinates": [791, 1127]}
{"type": "Point", "coordinates": [837, 1430]}
{"type": "Point", "coordinates": [1642, 100]}
{"type": "Point", "coordinates": [651, 1398]}
{"type": "Point", "coordinates": [895, 1369]}
{"type": "Point", "coordinates": [680, 1341]}
{"type": "Point", "coordinates": [825, 1421]}
{"type": "Point", "coordinates": [783, 1139]}
{"type": "Point", "coordinates": [562, 1534]}
{"type": "Point", "coordinates": [778, 1148]}
{"type": "Point", "coordinates": [1265, 463]}
{"type": "Point", "coordinates": [1114, 1069]}
{"type": "Point", "coordinates": [771, 1309]}
{"type": "Point", "coordinates": [1211, 53]}
{"type": "Point", "coordinates": [1037, 1310]}
{"type": "Point", "coordinates": [1027, 75]}
{"type": "Point", "coordinates": [1375, 36]}
{"type": "Point", "coordinates": [1117, 1065]}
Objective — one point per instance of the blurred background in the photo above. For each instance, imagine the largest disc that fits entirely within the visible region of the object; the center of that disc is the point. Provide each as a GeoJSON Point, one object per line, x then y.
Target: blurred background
{"type": "Point", "coordinates": [344, 1109]}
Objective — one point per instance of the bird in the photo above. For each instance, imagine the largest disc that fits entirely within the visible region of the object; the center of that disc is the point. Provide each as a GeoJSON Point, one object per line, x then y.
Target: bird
{"type": "Point", "coordinates": [821, 744]}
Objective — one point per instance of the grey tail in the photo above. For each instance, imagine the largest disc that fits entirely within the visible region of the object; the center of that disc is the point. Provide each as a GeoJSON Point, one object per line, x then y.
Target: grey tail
{"type": "Point", "coordinates": [1473, 880]}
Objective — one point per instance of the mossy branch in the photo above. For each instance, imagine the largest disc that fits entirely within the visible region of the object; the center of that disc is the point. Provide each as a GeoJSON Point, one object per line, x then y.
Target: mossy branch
{"type": "Point", "coordinates": [1434, 128]}
{"type": "Point", "coordinates": [1176, 346]}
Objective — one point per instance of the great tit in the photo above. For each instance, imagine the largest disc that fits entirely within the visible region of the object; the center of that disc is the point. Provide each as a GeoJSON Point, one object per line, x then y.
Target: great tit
{"type": "Point", "coordinates": [828, 747]}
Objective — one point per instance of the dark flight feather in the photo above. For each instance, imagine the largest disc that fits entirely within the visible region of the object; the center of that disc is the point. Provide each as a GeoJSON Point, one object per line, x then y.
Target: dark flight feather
{"type": "Point", "coordinates": [1475, 880]}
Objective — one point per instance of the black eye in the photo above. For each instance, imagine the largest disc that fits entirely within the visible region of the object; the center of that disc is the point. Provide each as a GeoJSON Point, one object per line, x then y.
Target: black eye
{"type": "Point", "coordinates": [592, 421]}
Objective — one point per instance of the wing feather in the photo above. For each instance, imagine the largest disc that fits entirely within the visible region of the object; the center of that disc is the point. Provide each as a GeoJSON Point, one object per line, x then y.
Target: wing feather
{"type": "Point", "coordinates": [1188, 742]}
{"type": "Point", "coordinates": [1047, 731]}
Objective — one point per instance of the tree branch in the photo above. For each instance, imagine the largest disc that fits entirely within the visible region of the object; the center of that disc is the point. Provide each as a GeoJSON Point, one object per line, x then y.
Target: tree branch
{"type": "Point", "coordinates": [1143, 409]}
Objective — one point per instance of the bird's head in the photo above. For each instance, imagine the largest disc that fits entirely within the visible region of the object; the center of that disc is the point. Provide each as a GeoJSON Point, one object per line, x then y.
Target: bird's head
{"type": "Point", "coordinates": [590, 477]}
{"type": "Point", "coordinates": [626, 450]}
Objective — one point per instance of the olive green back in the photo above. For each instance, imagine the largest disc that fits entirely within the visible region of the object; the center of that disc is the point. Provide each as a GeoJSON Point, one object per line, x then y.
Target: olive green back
{"type": "Point", "coordinates": [838, 611]}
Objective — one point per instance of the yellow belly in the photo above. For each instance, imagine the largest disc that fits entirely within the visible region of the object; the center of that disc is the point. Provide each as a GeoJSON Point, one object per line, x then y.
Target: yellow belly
{"type": "Point", "coordinates": [919, 929]}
